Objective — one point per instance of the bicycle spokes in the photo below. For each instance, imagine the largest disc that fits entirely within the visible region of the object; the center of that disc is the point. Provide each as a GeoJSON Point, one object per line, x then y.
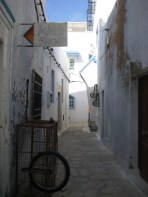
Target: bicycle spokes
{"type": "Point", "coordinates": [49, 171]}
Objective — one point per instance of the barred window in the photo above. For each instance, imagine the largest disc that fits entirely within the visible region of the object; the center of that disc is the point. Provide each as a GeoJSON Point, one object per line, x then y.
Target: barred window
{"type": "Point", "coordinates": [37, 96]}
{"type": "Point", "coordinates": [52, 86]}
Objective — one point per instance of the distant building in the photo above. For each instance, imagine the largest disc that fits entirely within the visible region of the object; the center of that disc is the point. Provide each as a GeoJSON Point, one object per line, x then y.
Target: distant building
{"type": "Point", "coordinates": [78, 51]}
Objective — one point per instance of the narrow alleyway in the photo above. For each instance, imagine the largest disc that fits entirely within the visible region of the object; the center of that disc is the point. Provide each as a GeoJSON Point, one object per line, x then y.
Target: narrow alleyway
{"type": "Point", "coordinates": [94, 169]}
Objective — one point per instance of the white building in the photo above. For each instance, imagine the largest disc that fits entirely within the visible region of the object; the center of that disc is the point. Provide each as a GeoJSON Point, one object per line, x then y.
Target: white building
{"type": "Point", "coordinates": [34, 82]}
{"type": "Point", "coordinates": [78, 51]}
{"type": "Point", "coordinates": [55, 100]}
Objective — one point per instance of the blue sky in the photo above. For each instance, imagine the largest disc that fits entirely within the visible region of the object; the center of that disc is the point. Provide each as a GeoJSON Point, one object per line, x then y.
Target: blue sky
{"type": "Point", "coordinates": [66, 10]}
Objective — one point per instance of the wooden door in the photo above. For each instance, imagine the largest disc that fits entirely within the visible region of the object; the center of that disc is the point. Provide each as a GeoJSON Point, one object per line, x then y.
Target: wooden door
{"type": "Point", "coordinates": [143, 127]}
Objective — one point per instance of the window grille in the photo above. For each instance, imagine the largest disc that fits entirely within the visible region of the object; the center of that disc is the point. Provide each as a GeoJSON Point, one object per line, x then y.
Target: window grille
{"type": "Point", "coordinates": [52, 85]}
{"type": "Point", "coordinates": [37, 96]}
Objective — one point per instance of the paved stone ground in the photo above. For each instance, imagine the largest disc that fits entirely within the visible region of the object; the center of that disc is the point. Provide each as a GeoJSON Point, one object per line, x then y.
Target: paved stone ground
{"type": "Point", "coordinates": [94, 169]}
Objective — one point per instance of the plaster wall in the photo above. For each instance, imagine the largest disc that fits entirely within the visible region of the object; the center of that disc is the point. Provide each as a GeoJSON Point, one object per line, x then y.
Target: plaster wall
{"type": "Point", "coordinates": [136, 45]}
{"type": "Point", "coordinates": [93, 111]}
{"type": "Point", "coordinates": [24, 60]}
{"type": "Point", "coordinates": [50, 109]}
{"type": "Point", "coordinates": [122, 60]}
{"type": "Point", "coordinates": [79, 41]}
{"type": "Point", "coordinates": [136, 34]}
{"type": "Point", "coordinates": [5, 69]}
{"type": "Point", "coordinates": [80, 113]}
{"type": "Point", "coordinates": [17, 69]}
{"type": "Point", "coordinates": [64, 62]}
{"type": "Point", "coordinates": [77, 88]}
{"type": "Point", "coordinates": [114, 83]}
{"type": "Point", "coordinates": [28, 59]}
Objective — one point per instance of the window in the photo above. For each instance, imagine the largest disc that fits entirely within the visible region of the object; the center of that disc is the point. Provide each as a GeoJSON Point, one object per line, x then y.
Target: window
{"type": "Point", "coordinates": [62, 90]}
{"type": "Point", "coordinates": [52, 86]}
{"type": "Point", "coordinates": [37, 95]}
{"type": "Point", "coordinates": [71, 102]}
{"type": "Point", "coordinates": [72, 62]}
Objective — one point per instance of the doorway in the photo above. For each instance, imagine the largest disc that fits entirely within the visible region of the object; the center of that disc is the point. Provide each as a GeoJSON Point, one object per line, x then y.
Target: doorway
{"type": "Point", "coordinates": [59, 111]}
{"type": "Point", "coordinates": [1, 66]}
{"type": "Point", "coordinates": [102, 115]}
{"type": "Point", "coordinates": [143, 127]}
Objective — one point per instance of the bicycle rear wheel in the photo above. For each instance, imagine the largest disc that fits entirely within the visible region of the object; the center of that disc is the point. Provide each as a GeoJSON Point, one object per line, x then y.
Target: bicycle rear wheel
{"type": "Point", "coordinates": [49, 171]}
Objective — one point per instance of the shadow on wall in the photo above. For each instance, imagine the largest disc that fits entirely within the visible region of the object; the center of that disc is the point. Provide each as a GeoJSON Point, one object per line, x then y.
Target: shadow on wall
{"type": "Point", "coordinates": [93, 101]}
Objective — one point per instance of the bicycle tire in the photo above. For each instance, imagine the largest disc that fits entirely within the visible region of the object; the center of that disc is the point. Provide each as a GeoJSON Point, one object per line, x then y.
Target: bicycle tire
{"type": "Point", "coordinates": [52, 185]}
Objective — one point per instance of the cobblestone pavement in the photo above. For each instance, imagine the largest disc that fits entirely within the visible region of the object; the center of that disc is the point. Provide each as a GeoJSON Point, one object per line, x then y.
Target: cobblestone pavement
{"type": "Point", "coordinates": [94, 169]}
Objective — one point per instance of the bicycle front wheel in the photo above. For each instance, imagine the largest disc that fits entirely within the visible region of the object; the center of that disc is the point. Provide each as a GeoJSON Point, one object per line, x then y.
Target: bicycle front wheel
{"type": "Point", "coordinates": [49, 171]}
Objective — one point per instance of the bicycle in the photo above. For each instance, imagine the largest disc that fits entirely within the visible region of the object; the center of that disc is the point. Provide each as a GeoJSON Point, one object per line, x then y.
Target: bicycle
{"type": "Point", "coordinates": [48, 171]}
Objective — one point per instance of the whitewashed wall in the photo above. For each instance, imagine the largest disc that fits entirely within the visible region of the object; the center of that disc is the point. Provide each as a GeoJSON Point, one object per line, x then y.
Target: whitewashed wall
{"type": "Point", "coordinates": [19, 63]}
{"type": "Point", "coordinates": [6, 26]}
{"type": "Point", "coordinates": [122, 60]}
{"type": "Point", "coordinates": [50, 109]}
{"type": "Point", "coordinates": [80, 42]}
